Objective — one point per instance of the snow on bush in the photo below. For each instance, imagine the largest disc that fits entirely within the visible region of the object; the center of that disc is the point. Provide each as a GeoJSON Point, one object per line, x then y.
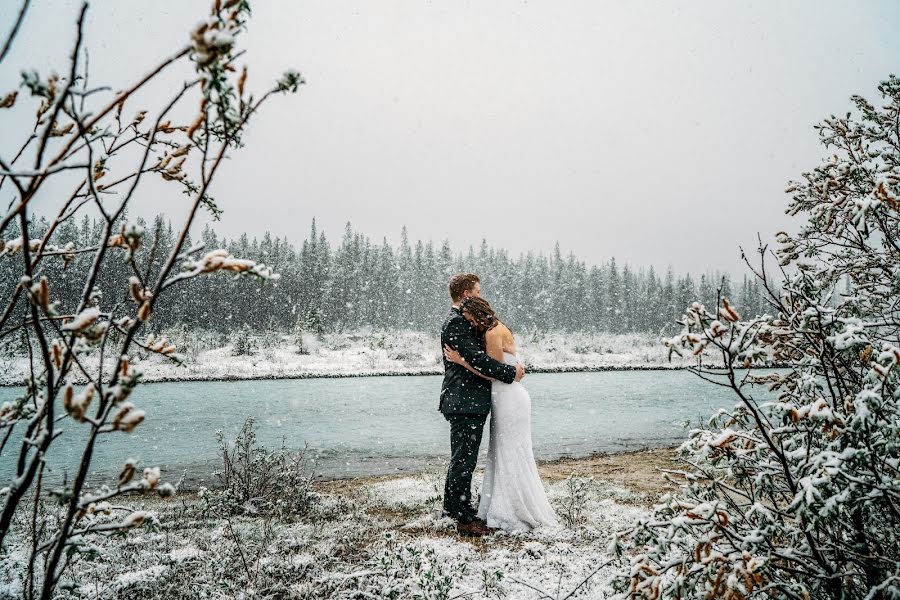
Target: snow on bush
{"type": "Point", "coordinates": [800, 498]}
{"type": "Point", "coordinates": [255, 480]}
{"type": "Point", "coordinates": [90, 151]}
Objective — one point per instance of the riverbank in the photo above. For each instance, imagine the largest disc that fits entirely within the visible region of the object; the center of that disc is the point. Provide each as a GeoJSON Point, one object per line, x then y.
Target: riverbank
{"type": "Point", "coordinates": [199, 377]}
{"type": "Point", "coordinates": [379, 537]}
{"type": "Point", "coordinates": [213, 357]}
{"type": "Point", "coordinates": [638, 472]}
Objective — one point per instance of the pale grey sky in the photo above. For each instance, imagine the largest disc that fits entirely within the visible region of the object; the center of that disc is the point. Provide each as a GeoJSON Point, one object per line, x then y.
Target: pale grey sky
{"type": "Point", "coordinates": [626, 129]}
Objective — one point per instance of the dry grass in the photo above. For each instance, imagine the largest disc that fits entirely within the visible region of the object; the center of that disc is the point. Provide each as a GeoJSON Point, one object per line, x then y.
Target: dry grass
{"type": "Point", "coordinates": [638, 471]}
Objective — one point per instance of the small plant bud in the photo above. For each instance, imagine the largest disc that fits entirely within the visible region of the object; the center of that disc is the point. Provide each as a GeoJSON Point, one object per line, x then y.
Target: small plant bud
{"type": "Point", "coordinates": [56, 353]}
{"type": "Point", "coordinates": [68, 395]}
{"type": "Point", "coordinates": [127, 473]}
{"type": "Point", "coordinates": [121, 392]}
{"type": "Point", "coordinates": [9, 99]}
{"type": "Point", "coordinates": [135, 519]}
{"type": "Point", "coordinates": [883, 194]}
{"type": "Point", "coordinates": [727, 312]}
{"type": "Point", "coordinates": [242, 80]}
{"type": "Point", "coordinates": [152, 476]}
{"type": "Point", "coordinates": [57, 131]}
{"type": "Point", "coordinates": [145, 311]}
{"type": "Point", "coordinates": [196, 125]}
{"type": "Point", "coordinates": [132, 234]}
{"type": "Point", "coordinates": [68, 254]}
{"type": "Point", "coordinates": [117, 241]}
{"type": "Point", "coordinates": [181, 151]}
{"type": "Point", "coordinates": [165, 127]}
{"type": "Point", "coordinates": [866, 354]}
{"type": "Point", "coordinates": [138, 293]}
{"type": "Point", "coordinates": [77, 404]}
{"type": "Point", "coordinates": [40, 294]}
{"type": "Point", "coordinates": [99, 169]}
{"type": "Point", "coordinates": [166, 490]}
{"type": "Point", "coordinates": [127, 418]}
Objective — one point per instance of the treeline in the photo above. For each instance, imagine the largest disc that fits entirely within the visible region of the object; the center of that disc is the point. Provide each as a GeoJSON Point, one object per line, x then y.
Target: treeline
{"type": "Point", "coordinates": [356, 283]}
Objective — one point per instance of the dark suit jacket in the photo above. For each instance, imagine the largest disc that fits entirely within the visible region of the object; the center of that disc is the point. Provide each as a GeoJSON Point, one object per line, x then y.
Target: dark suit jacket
{"type": "Point", "coordinates": [464, 392]}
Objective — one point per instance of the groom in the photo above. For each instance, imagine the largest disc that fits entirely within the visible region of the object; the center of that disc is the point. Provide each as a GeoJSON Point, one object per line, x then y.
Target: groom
{"type": "Point", "coordinates": [466, 402]}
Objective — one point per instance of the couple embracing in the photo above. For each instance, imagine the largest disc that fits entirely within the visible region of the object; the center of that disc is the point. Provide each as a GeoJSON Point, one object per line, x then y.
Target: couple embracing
{"type": "Point", "coordinates": [482, 376]}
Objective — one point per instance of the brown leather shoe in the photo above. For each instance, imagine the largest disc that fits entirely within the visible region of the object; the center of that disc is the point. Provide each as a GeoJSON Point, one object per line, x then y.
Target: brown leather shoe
{"type": "Point", "coordinates": [473, 529]}
{"type": "Point", "coordinates": [484, 524]}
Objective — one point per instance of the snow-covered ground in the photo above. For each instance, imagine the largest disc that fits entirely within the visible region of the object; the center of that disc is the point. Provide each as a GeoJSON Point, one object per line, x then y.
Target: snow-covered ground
{"type": "Point", "coordinates": [212, 356]}
{"type": "Point", "coordinates": [375, 538]}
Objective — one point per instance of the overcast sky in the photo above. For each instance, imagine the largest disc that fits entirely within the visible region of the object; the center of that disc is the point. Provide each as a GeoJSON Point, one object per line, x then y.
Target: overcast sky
{"type": "Point", "coordinates": [656, 132]}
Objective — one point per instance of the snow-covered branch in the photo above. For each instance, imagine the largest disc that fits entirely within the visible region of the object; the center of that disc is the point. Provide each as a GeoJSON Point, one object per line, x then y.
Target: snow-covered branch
{"type": "Point", "coordinates": [79, 128]}
{"type": "Point", "coordinates": [800, 497]}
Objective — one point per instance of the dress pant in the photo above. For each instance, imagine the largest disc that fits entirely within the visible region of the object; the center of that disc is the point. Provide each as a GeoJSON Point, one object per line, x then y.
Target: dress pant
{"type": "Point", "coordinates": [465, 439]}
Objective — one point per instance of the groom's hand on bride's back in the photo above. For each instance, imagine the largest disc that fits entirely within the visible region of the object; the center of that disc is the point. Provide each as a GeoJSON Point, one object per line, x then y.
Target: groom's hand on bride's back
{"type": "Point", "coordinates": [520, 371]}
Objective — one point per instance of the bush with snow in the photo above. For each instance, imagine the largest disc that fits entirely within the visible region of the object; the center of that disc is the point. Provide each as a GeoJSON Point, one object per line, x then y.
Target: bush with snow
{"type": "Point", "coordinates": [800, 497]}
{"type": "Point", "coordinates": [243, 344]}
{"type": "Point", "coordinates": [94, 148]}
{"type": "Point", "coordinates": [253, 479]}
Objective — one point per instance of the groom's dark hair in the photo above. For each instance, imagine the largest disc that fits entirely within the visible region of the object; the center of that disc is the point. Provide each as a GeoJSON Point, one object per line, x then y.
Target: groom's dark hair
{"type": "Point", "coordinates": [462, 283]}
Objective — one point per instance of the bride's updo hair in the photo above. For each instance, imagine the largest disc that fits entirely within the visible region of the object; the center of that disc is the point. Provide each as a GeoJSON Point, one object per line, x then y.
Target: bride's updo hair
{"type": "Point", "coordinates": [480, 310]}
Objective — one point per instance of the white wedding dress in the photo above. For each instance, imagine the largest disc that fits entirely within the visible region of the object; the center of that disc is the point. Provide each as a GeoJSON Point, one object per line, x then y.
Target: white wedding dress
{"type": "Point", "coordinates": [512, 495]}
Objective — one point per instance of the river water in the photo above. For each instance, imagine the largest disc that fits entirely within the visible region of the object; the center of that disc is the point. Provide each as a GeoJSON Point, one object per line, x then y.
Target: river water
{"type": "Point", "coordinates": [381, 425]}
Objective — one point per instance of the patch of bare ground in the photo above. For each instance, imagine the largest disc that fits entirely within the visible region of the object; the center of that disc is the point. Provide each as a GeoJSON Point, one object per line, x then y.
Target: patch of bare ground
{"type": "Point", "coordinates": [639, 472]}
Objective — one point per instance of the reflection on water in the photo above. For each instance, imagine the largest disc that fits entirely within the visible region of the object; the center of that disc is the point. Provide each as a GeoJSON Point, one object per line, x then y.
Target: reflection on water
{"type": "Point", "coordinates": [380, 425]}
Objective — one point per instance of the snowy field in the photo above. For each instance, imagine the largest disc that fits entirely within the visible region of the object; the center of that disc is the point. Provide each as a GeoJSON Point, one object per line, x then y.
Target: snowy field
{"type": "Point", "coordinates": [373, 538]}
{"type": "Point", "coordinates": [215, 357]}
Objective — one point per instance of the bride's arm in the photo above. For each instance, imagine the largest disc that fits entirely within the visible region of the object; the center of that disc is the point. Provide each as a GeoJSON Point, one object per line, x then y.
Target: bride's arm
{"type": "Point", "coordinates": [454, 357]}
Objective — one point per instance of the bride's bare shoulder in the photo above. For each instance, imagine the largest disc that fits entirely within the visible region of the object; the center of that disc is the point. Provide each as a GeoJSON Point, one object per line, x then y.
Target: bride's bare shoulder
{"type": "Point", "coordinates": [498, 331]}
{"type": "Point", "coordinates": [504, 335]}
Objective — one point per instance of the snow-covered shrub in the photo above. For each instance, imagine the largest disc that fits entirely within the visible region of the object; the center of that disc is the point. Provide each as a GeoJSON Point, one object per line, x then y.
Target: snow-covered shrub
{"type": "Point", "coordinates": [335, 342]}
{"type": "Point", "coordinates": [93, 148]}
{"type": "Point", "coordinates": [314, 321]}
{"type": "Point", "coordinates": [586, 349]}
{"type": "Point", "coordinates": [300, 337]}
{"type": "Point", "coordinates": [574, 504]}
{"type": "Point", "coordinates": [243, 344]}
{"type": "Point", "coordinates": [255, 480]}
{"type": "Point", "coordinates": [800, 497]}
{"type": "Point", "coordinates": [408, 570]}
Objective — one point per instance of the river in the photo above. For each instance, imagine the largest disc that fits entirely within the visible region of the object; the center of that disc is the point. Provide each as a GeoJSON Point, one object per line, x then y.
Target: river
{"type": "Point", "coordinates": [381, 425]}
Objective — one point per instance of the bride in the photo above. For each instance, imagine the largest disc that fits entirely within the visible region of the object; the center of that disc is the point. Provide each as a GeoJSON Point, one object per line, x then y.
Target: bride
{"type": "Point", "coordinates": [512, 496]}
